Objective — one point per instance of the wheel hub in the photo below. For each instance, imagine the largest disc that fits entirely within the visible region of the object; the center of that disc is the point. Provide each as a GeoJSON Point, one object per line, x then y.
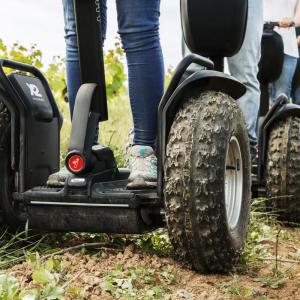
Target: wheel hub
{"type": "Point", "coordinates": [233, 182]}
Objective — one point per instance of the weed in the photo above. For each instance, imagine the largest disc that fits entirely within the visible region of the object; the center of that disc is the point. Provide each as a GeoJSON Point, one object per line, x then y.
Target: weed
{"type": "Point", "coordinates": [156, 242]}
{"type": "Point", "coordinates": [271, 281]}
{"type": "Point", "coordinates": [234, 288]}
{"type": "Point", "coordinates": [14, 248]}
{"type": "Point", "coordinates": [48, 278]}
{"type": "Point", "coordinates": [262, 234]}
{"type": "Point", "coordinates": [139, 283]}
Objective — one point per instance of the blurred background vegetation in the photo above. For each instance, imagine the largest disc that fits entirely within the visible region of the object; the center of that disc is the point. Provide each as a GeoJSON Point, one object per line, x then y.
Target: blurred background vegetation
{"type": "Point", "coordinates": [113, 132]}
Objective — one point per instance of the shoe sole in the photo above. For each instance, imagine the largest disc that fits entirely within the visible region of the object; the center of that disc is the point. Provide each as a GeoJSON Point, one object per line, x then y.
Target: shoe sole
{"type": "Point", "coordinates": [54, 183]}
{"type": "Point", "coordinates": [140, 183]}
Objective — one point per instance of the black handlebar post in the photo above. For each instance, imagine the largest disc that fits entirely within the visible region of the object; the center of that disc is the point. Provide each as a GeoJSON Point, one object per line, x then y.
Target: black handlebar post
{"type": "Point", "coordinates": [90, 48]}
{"type": "Point", "coordinates": [270, 25]}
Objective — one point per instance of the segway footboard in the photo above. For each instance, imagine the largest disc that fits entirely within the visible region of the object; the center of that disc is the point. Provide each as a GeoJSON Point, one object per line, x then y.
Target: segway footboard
{"type": "Point", "coordinates": [108, 207]}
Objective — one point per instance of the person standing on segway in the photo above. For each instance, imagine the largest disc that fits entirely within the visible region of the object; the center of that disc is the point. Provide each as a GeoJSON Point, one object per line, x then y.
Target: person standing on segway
{"type": "Point", "coordinates": [244, 67]}
{"type": "Point", "coordinates": [138, 22]}
{"type": "Point", "coordinates": [287, 12]}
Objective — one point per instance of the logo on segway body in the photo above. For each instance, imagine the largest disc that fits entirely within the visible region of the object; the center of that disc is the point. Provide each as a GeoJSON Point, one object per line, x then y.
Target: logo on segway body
{"type": "Point", "coordinates": [76, 163]}
{"type": "Point", "coordinates": [35, 92]}
{"type": "Point", "coordinates": [97, 3]}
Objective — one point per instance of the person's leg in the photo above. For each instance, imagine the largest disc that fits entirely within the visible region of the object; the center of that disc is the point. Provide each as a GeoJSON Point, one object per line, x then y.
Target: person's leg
{"type": "Point", "coordinates": [283, 85]}
{"type": "Point", "coordinates": [296, 96]}
{"type": "Point", "coordinates": [139, 30]}
{"type": "Point", "coordinates": [138, 22]}
{"type": "Point", "coordinates": [244, 67]}
{"type": "Point", "coordinates": [72, 60]}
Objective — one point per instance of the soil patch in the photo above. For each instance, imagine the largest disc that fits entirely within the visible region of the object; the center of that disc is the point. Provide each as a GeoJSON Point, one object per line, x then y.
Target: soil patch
{"type": "Point", "coordinates": [111, 274]}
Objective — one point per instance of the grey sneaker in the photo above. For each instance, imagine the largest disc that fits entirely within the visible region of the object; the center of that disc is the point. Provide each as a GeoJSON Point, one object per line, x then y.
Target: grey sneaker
{"type": "Point", "coordinates": [143, 167]}
{"type": "Point", "coordinates": [59, 178]}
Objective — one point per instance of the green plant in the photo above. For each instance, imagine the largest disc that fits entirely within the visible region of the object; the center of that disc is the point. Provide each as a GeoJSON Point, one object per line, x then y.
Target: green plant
{"type": "Point", "coordinates": [49, 278]}
{"type": "Point", "coordinates": [139, 283]}
{"type": "Point", "coordinates": [14, 248]}
{"type": "Point", "coordinates": [29, 55]}
{"type": "Point", "coordinates": [272, 281]}
{"type": "Point", "coordinates": [9, 287]}
{"type": "Point", "coordinates": [115, 74]}
{"type": "Point", "coordinates": [233, 287]}
{"type": "Point", "coordinates": [261, 231]}
{"type": "Point", "coordinates": [156, 242]}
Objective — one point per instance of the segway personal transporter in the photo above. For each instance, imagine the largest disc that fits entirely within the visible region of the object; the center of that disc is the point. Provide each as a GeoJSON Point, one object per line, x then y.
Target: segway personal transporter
{"type": "Point", "coordinates": [278, 170]}
{"type": "Point", "coordinates": [203, 189]}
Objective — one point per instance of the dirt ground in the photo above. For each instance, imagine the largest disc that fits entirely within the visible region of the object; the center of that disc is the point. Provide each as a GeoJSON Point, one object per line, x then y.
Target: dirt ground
{"type": "Point", "coordinates": [259, 280]}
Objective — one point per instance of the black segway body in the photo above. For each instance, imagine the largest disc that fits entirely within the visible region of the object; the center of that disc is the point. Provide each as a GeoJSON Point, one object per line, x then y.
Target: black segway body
{"type": "Point", "coordinates": [281, 110]}
{"type": "Point", "coordinates": [95, 198]}
{"type": "Point", "coordinates": [279, 140]}
{"type": "Point", "coordinates": [211, 40]}
{"type": "Point", "coordinates": [271, 62]}
{"type": "Point", "coordinates": [270, 65]}
{"type": "Point", "coordinates": [36, 123]}
{"type": "Point", "coordinates": [278, 161]}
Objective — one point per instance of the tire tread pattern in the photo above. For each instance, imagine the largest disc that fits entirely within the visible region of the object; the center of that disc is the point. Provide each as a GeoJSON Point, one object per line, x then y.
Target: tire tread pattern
{"type": "Point", "coordinates": [283, 170]}
{"type": "Point", "coordinates": [196, 217]}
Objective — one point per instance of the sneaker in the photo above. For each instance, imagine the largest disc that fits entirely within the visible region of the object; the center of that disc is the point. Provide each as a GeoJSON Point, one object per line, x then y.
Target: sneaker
{"type": "Point", "coordinates": [143, 167]}
{"type": "Point", "coordinates": [59, 178]}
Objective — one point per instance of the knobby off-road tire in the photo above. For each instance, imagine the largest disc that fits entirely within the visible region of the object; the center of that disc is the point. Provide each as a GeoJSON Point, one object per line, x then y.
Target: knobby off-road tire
{"type": "Point", "coordinates": [7, 209]}
{"type": "Point", "coordinates": [283, 170]}
{"type": "Point", "coordinates": [203, 228]}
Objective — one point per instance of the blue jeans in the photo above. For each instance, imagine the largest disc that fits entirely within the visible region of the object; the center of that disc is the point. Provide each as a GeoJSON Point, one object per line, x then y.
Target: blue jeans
{"type": "Point", "coordinates": [283, 85]}
{"type": "Point", "coordinates": [244, 67]}
{"type": "Point", "coordinates": [296, 96]}
{"type": "Point", "coordinates": [138, 22]}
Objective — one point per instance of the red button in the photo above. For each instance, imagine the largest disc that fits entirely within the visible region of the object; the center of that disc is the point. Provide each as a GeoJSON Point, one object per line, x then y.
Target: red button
{"type": "Point", "coordinates": [76, 163]}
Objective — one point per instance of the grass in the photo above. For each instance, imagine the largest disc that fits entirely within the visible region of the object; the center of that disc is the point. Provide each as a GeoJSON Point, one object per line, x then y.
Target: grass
{"type": "Point", "coordinates": [15, 248]}
{"type": "Point", "coordinates": [51, 279]}
{"type": "Point", "coordinates": [114, 132]}
{"type": "Point", "coordinates": [262, 229]}
{"type": "Point", "coordinates": [139, 283]}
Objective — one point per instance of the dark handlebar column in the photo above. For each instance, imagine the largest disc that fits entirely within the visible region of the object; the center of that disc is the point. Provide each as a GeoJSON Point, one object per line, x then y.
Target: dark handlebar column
{"type": "Point", "coordinates": [91, 101]}
{"type": "Point", "coordinates": [91, 52]}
